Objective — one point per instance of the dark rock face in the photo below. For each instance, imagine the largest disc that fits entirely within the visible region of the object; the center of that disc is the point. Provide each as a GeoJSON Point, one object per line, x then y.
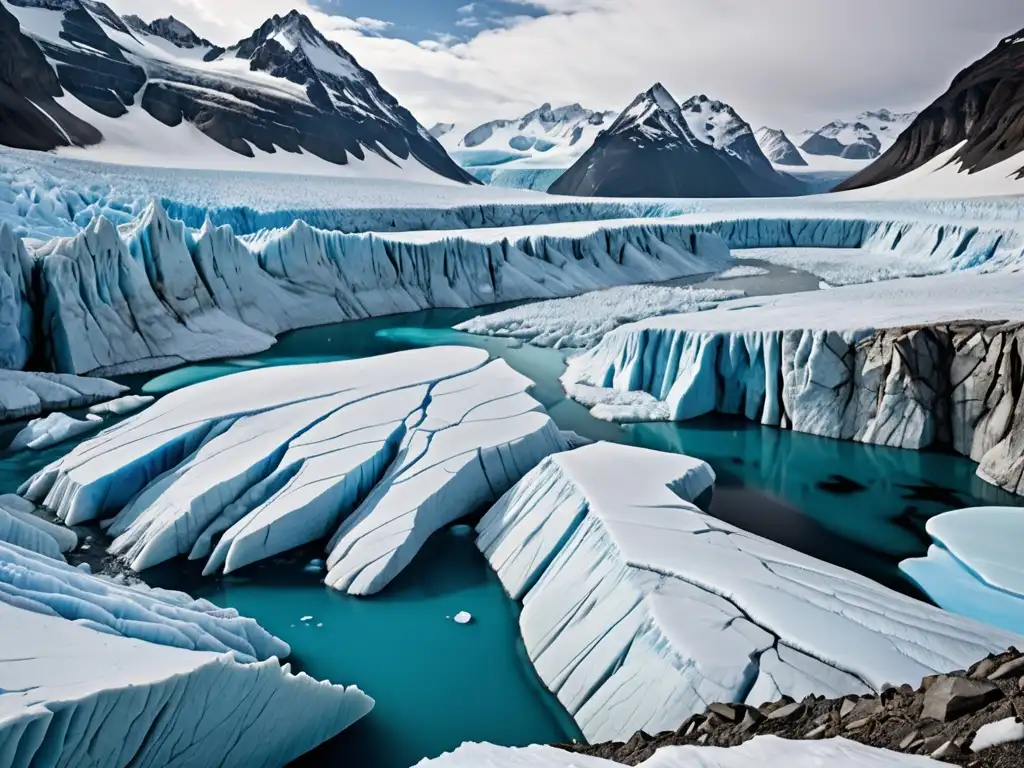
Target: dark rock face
{"type": "Point", "coordinates": [650, 151]}
{"type": "Point", "coordinates": [822, 145]}
{"type": "Point", "coordinates": [861, 150]}
{"type": "Point", "coordinates": [984, 107]}
{"type": "Point", "coordinates": [900, 719]}
{"type": "Point", "coordinates": [337, 110]}
{"type": "Point", "coordinates": [29, 116]}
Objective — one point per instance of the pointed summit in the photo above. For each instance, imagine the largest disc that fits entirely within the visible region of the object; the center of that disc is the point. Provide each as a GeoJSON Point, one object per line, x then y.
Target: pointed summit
{"type": "Point", "coordinates": [659, 94]}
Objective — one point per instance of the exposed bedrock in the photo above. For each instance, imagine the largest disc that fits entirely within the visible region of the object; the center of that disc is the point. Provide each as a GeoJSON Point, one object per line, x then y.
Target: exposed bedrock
{"type": "Point", "coordinates": [154, 294]}
{"type": "Point", "coordinates": [952, 385]}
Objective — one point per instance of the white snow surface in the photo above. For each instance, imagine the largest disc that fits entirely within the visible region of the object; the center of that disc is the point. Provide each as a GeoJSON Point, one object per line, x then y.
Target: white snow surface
{"type": "Point", "coordinates": [760, 752]}
{"type": "Point", "coordinates": [155, 295]}
{"type": "Point", "coordinates": [70, 695]}
{"type": "Point", "coordinates": [1004, 731]}
{"type": "Point", "coordinates": [28, 393]}
{"type": "Point", "coordinates": [639, 609]}
{"type": "Point", "coordinates": [392, 448]}
{"type": "Point", "coordinates": [51, 430]}
{"type": "Point", "coordinates": [974, 567]}
{"type": "Point", "coordinates": [582, 321]}
{"type": "Point", "coordinates": [123, 405]}
{"type": "Point", "coordinates": [849, 266]}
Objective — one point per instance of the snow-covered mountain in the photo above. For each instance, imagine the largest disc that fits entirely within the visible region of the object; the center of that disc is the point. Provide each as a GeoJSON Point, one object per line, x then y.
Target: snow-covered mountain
{"type": "Point", "coordinates": [778, 147]}
{"type": "Point", "coordinates": [286, 98]}
{"type": "Point", "coordinates": [975, 126]}
{"type": "Point", "coordinates": [659, 148]}
{"type": "Point", "coordinates": [865, 137]}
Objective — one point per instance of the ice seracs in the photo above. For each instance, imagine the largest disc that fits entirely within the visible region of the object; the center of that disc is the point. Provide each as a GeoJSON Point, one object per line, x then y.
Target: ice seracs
{"type": "Point", "coordinates": [761, 751]}
{"type": "Point", "coordinates": [380, 452]}
{"type": "Point", "coordinates": [974, 567]}
{"type": "Point", "coordinates": [887, 363]}
{"type": "Point", "coordinates": [639, 609]}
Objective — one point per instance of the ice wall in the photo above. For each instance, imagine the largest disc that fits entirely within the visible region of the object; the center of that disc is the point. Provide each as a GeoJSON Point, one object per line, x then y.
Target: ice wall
{"type": "Point", "coordinates": [815, 363]}
{"type": "Point", "coordinates": [639, 610]}
{"type": "Point", "coordinates": [380, 452]}
{"type": "Point", "coordinates": [16, 316]}
{"type": "Point", "coordinates": [72, 696]}
{"type": "Point", "coordinates": [155, 295]}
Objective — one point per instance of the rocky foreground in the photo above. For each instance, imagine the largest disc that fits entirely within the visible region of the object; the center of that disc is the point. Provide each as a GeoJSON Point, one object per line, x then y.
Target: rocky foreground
{"type": "Point", "coordinates": [973, 718]}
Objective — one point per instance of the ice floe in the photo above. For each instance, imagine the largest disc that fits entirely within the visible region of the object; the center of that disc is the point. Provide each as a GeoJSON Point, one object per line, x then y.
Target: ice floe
{"type": "Point", "coordinates": [582, 321]}
{"type": "Point", "coordinates": [51, 430]}
{"type": "Point", "coordinates": [761, 752]}
{"type": "Point", "coordinates": [26, 393]}
{"type": "Point", "coordinates": [975, 567]}
{"type": "Point", "coordinates": [24, 512]}
{"type": "Point", "coordinates": [122, 406]}
{"type": "Point", "coordinates": [851, 363]}
{"type": "Point", "coordinates": [639, 609]}
{"type": "Point", "coordinates": [70, 695]}
{"type": "Point", "coordinates": [392, 448]}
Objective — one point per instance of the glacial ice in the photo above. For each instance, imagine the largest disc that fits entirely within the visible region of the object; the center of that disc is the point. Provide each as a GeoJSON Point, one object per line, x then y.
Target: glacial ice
{"type": "Point", "coordinates": [122, 406]}
{"type": "Point", "coordinates": [164, 295]}
{"type": "Point", "coordinates": [974, 567]}
{"type": "Point", "coordinates": [275, 458]}
{"type": "Point", "coordinates": [25, 512]}
{"type": "Point", "coordinates": [16, 317]}
{"type": "Point", "coordinates": [26, 393]}
{"type": "Point", "coordinates": [70, 695]}
{"type": "Point", "coordinates": [760, 752]}
{"type": "Point", "coordinates": [51, 430]}
{"type": "Point", "coordinates": [582, 321]}
{"type": "Point", "coordinates": [639, 610]}
{"type": "Point", "coordinates": [815, 363]}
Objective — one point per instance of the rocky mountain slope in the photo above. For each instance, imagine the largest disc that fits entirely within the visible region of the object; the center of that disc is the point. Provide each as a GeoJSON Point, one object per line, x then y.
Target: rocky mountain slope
{"type": "Point", "coordinates": [981, 116]}
{"type": "Point", "coordinates": [971, 718]}
{"type": "Point", "coordinates": [659, 148]}
{"type": "Point", "coordinates": [80, 72]}
{"type": "Point", "coordinates": [778, 147]}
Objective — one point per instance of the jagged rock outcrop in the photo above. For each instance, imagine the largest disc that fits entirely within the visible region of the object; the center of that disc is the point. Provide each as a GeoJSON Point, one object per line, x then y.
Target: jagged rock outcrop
{"type": "Point", "coordinates": [778, 148]}
{"type": "Point", "coordinates": [971, 718]}
{"type": "Point", "coordinates": [983, 110]}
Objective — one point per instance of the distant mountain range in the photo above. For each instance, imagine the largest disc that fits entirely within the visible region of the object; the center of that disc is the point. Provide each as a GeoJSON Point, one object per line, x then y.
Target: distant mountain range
{"type": "Point", "coordinates": [75, 74]}
{"type": "Point", "coordinates": [778, 147]}
{"type": "Point", "coordinates": [978, 122]}
{"type": "Point", "coordinates": [865, 137]}
{"type": "Point", "coordinates": [660, 148]}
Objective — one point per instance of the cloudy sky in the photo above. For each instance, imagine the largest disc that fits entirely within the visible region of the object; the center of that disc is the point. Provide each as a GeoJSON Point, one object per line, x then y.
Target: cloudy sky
{"type": "Point", "coordinates": [786, 63]}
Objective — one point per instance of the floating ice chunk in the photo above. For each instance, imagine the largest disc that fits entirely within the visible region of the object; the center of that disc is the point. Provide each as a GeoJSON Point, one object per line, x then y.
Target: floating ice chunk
{"type": "Point", "coordinates": [51, 430]}
{"type": "Point", "coordinates": [582, 321]}
{"type": "Point", "coordinates": [638, 608]}
{"type": "Point", "coordinates": [463, 617]}
{"type": "Point", "coordinates": [742, 271]}
{"type": "Point", "coordinates": [26, 393]}
{"type": "Point", "coordinates": [24, 511]}
{"type": "Point", "coordinates": [122, 406]}
{"type": "Point", "coordinates": [271, 459]}
{"type": "Point", "coordinates": [69, 693]}
{"type": "Point", "coordinates": [974, 568]}
{"type": "Point", "coordinates": [761, 752]}
{"type": "Point", "coordinates": [27, 536]}
{"type": "Point", "coordinates": [306, 618]}
{"type": "Point", "coordinates": [1004, 731]}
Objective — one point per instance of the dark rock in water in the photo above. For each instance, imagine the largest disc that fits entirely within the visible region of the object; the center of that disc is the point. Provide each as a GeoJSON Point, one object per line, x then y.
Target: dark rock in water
{"type": "Point", "coordinates": [983, 109]}
{"type": "Point", "coordinates": [841, 485]}
{"type": "Point", "coordinates": [897, 720]}
{"type": "Point", "coordinates": [950, 697]}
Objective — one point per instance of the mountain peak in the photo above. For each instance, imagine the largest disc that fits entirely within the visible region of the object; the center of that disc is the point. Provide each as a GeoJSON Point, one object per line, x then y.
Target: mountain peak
{"type": "Point", "coordinates": [170, 29]}
{"type": "Point", "coordinates": [659, 94]}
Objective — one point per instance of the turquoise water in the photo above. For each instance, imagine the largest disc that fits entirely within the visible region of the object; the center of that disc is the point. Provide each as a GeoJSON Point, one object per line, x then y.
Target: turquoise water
{"type": "Point", "coordinates": [438, 684]}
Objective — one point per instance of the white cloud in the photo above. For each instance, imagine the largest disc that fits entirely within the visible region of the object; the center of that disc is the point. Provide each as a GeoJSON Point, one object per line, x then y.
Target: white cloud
{"type": "Point", "coordinates": [788, 63]}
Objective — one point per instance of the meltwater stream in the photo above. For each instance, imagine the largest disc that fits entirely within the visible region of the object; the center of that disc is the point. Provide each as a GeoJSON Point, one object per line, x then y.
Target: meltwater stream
{"type": "Point", "coordinates": [437, 683]}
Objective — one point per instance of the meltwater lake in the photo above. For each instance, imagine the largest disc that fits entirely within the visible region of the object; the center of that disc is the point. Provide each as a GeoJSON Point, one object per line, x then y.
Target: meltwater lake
{"type": "Point", "coordinates": [437, 683]}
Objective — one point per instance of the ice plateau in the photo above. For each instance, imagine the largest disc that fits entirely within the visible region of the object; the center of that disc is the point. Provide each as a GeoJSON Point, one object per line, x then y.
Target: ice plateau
{"type": "Point", "coordinates": [906, 363]}
{"type": "Point", "coordinates": [380, 452]}
{"type": "Point", "coordinates": [639, 609]}
{"type": "Point", "coordinates": [757, 753]}
{"type": "Point", "coordinates": [974, 567]}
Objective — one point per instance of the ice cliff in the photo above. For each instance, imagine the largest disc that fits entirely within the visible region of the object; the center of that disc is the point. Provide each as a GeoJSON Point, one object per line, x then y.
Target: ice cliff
{"type": "Point", "coordinates": [379, 452]}
{"type": "Point", "coordinates": [639, 609]}
{"type": "Point", "coordinates": [156, 294]}
{"type": "Point", "coordinates": [911, 364]}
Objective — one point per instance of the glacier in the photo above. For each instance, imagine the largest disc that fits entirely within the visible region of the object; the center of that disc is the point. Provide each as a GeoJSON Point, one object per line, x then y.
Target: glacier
{"type": "Point", "coordinates": [582, 321]}
{"type": "Point", "coordinates": [640, 610]}
{"type": "Point", "coordinates": [24, 394]}
{"type": "Point", "coordinates": [382, 452]}
{"type": "Point", "coordinates": [759, 752]}
{"type": "Point", "coordinates": [51, 430]}
{"type": "Point", "coordinates": [70, 695]}
{"type": "Point", "coordinates": [25, 512]}
{"type": "Point", "coordinates": [905, 363]}
{"type": "Point", "coordinates": [155, 294]}
{"type": "Point", "coordinates": [974, 567]}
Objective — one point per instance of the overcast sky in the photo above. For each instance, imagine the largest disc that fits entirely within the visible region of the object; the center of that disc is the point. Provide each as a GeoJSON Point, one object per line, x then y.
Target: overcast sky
{"type": "Point", "coordinates": [785, 63]}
